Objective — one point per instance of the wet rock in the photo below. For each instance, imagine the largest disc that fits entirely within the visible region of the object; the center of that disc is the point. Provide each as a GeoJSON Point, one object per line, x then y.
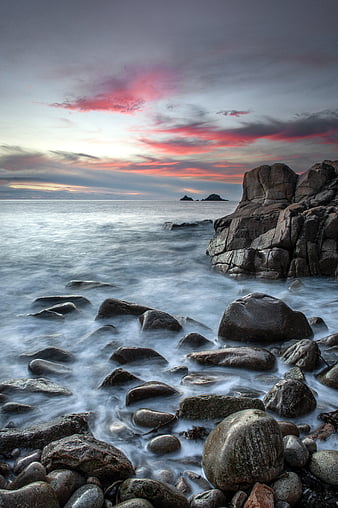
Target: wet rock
{"type": "Point", "coordinates": [294, 373]}
{"type": "Point", "coordinates": [213, 498]}
{"type": "Point", "coordinates": [324, 465]}
{"type": "Point", "coordinates": [329, 376]}
{"type": "Point", "coordinates": [290, 398]}
{"type": "Point", "coordinates": [159, 494]}
{"type": "Point", "coordinates": [288, 488]}
{"type": "Point", "coordinates": [87, 455]}
{"type": "Point", "coordinates": [198, 479]}
{"type": "Point", "coordinates": [126, 354]}
{"type": "Point", "coordinates": [244, 448]}
{"type": "Point", "coordinates": [183, 486]}
{"type": "Point", "coordinates": [5, 469]}
{"type": "Point", "coordinates": [166, 443]}
{"type": "Point", "coordinates": [310, 444]}
{"type": "Point", "coordinates": [207, 407]}
{"type": "Point", "coordinates": [151, 418]}
{"type": "Point", "coordinates": [3, 482]}
{"type": "Point", "coordinates": [48, 314]}
{"type": "Point", "coordinates": [87, 495]}
{"type": "Point", "coordinates": [103, 331]}
{"type": "Point", "coordinates": [118, 377]}
{"type": "Point", "coordinates": [194, 340]}
{"type": "Point", "coordinates": [198, 378]}
{"type": "Point", "coordinates": [16, 408]}
{"type": "Point", "coordinates": [158, 320]}
{"type": "Point", "coordinates": [64, 308]}
{"type": "Point", "coordinates": [295, 452]}
{"type": "Point", "coordinates": [34, 472]}
{"type": "Point", "coordinates": [288, 428]}
{"type": "Point", "coordinates": [88, 284]}
{"type": "Point", "coordinates": [296, 285]}
{"type": "Point", "coordinates": [65, 482]}
{"type": "Point", "coordinates": [24, 460]}
{"type": "Point", "coordinates": [238, 500]}
{"type": "Point", "coordinates": [120, 430]}
{"type": "Point", "coordinates": [180, 370]}
{"type": "Point", "coordinates": [329, 341]}
{"type": "Point", "coordinates": [262, 318]}
{"type": "Point", "coordinates": [182, 225]}
{"type": "Point", "coordinates": [135, 503]}
{"type": "Point", "coordinates": [305, 354]}
{"type": "Point", "coordinates": [261, 496]}
{"type": "Point", "coordinates": [37, 495]}
{"type": "Point", "coordinates": [38, 385]}
{"type": "Point", "coordinates": [42, 434]}
{"type": "Point", "coordinates": [165, 476]}
{"type": "Point", "coordinates": [51, 353]}
{"type": "Point", "coordinates": [114, 307]}
{"type": "Point", "coordinates": [253, 358]}
{"type": "Point", "coordinates": [148, 390]}
{"type": "Point", "coordinates": [318, 324]}
{"type": "Point", "coordinates": [41, 367]}
{"type": "Point", "coordinates": [77, 300]}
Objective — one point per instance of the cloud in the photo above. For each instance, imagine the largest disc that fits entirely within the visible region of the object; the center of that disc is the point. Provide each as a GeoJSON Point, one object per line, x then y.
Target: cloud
{"type": "Point", "coordinates": [127, 94]}
{"type": "Point", "coordinates": [233, 112]}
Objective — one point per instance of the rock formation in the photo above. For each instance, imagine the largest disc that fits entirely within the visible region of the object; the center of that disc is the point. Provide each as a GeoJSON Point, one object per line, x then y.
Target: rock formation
{"type": "Point", "coordinates": [284, 226]}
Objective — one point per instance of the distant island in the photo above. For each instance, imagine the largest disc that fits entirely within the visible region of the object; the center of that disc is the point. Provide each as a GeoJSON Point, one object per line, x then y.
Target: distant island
{"type": "Point", "coordinates": [211, 197]}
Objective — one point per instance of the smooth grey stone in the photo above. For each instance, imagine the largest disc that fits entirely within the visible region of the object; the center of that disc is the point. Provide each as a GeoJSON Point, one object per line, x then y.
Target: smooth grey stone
{"type": "Point", "coordinates": [213, 498]}
{"type": "Point", "coordinates": [34, 495]}
{"type": "Point", "coordinates": [324, 465]}
{"type": "Point", "coordinates": [51, 353]}
{"type": "Point", "coordinates": [86, 496]}
{"type": "Point", "coordinates": [163, 444]}
{"type": "Point", "coordinates": [41, 367]}
{"type": "Point", "coordinates": [152, 418]}
{"type": "Point", "coordinates": [148, 390]}
{"type": "Point", "coordinates": [34, 472]}
{"type": "Point", "coordinates": [22, 462]}
{"type": "Point", "coordinates": [39, 385]}
{"type": "Point", "coordinates": [245, 357]}
{"type": "Point", "coordinates": [295, 452]}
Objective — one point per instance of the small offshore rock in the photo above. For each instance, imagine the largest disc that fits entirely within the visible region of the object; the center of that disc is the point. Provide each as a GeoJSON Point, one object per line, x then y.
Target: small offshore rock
{"type": "Point", "coordinates": [43, 433]}
{"type": "Point", "coordinates": [120, 429]}
{"type": "Point", "coordinates": [42, 367]}
{"type": "Point", "coordinates": [262, 318]}
{"type": "Point", "coordinates": [77, 300]}
{"type": "Point", "coordinates": [158, 320]}
{"type": "Point", "coordinates": [244, 448]}
{"type": "Point", "coordinates": [288, 428]}
{"type": "Point", "coordinates": [51, 353]}
{"type": "Point", "coordinates": [38, 385]}
{"type": "Point", "coordinates": [207, 407]}
{"type": "Point", "coordinates": [65, 482]}
{"type": "Point", "coordinates": [118, 377]}
{"type": "Point", "coordinates": [158, 493]}
{"type": "Point", "coordinates": [165, 443]}
{"type": "Point", "coordinates": [213, 498]}
{"type": "Point", "coordinates": [324, 465]}
{"type": "Point", "coordinates": [290, 398]}
{"type": "Point", "coordinates": [89, 456]}
{"type": "Point", "coordinates": [305, 354]}
{"type": "Point", "coordinates": [245, 357]}
{"type": "Point", "coordinates": [34, 472]}
{"type": "Point", "coordinates": [126, 354]}
{"type": "Point", "coordinates": [114, 307]}
{"type": "Point", "coordinates": [88, 495]}
{"type": "Point", "coordinates": [148, 390]}
{"type": "Point", "coordinates": [194, 340]}
{"type": "Point", "coordinates": [16, 407]}
{"type": "Point", "coordinates": [152, 418]}
{"type": "Point", "coordinates": [329, 376]}
{"type": "Point", "coordinates": [261, 496]}
{"type": "Point", "coordinates": [37, 495]}
{"type": "Point", "coordinates": [89, 284]}
{"type": "Point", "coordinates": [295, 452]}
{"type": "Point", "coordinates": [288, 488]}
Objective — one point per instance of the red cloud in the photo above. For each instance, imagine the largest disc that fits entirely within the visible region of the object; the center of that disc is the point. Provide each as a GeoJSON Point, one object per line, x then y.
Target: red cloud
{"type": "Point", "coordinates": [127, 94]}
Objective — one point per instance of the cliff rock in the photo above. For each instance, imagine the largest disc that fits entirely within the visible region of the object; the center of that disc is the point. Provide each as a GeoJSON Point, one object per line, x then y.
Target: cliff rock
{"type": "Point", "coordinates": [286, 225]}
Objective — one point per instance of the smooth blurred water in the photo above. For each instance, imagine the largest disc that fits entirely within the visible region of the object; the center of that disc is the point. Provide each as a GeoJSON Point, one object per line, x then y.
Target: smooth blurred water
{"type": "Point", "coordinates": [45, 244]}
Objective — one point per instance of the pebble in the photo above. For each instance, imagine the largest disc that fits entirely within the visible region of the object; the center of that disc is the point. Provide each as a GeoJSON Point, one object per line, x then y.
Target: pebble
{"type": "Point", "coordinates": [163, 444]}
{"type": "Point", "coordinates": [288, 488]}
{"type": "Point", "coordinates": [34, 472]}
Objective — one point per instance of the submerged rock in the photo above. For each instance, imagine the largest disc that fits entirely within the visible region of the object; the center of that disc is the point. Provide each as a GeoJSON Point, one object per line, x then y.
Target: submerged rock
{"type": "Point", "coordinates": [78, 300]}
{"type": "Point", "coordinates": [136, 354]}
{"type": "Point", "coordinates": [89, 456]}
{"type": "Point", "coordinates": [16, 407]}
{"type": "Point", "coordinates": [39, 385]}
{"type": "Point", "coordinates": [290, 398]}
{"type": "Point", "coordinates": [245, 357]}
{"type": "Point", "coordinates": [207, 407]}
{"type": "Point", "coordinates": [89, 284]}
{"type": "Point", "coordinates": [51, 353]}
{"type": "Point", "coordinates": [158, 320]}
{"type": "Point", "coordinates": [246, 447]}
{"type": "Point", "coordinates": [284, 226]}
{"type": "Point", "coordinates": [179, 225]}
{"type": "Point", "coordinates": [262, 318]}
{"type": "Point", "coordinates": [148, 390]}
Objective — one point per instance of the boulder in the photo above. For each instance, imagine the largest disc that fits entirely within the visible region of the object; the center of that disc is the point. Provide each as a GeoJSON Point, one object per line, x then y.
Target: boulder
{"type": "Point", "coordinates": [89, 456]}
{"type": "Point", "coordinates": [194, 340]}
{"type": "Point", "coordinates": [246, 447]}
{"type": "Point", "coordinates": [85, 496]}
{"type": "Point", "coordinates": [37, 495]}
{"type": "Point", "coordinates": [262, 318]}
{"type": "Point", "coordinates": [295, 452]}
{"type": "Point", "coordinates": [290, 398]}
{"type": "Point", "coordinates": [324, 465]}
{"type": "Point", "coordinates": [158, 320]}
{"type": "Point", "coordinates": [78, 300]}
{"type": "Point", "coordinates": [126, 354]}
{"type": "Point", "coordinates": [38, 385]}
{"type": "Point", "coordinates": [329, 376]}
{"type": "Point", "coordinates": [159, 494]}
{"type": "Point", "coordinates": [65, 482]}
{"type": "Point", "coordinates": [209, 407]}
{"type": "Point", "coordinates": [245, 357]}
{"type": "Point", "coordinates": [165, 443]}
{"type": "Point", "coordinates": [149, 390]}
{"type": "Point", "coordinates": [151, 418]}
{"type": "Point", "coordinates": [284, 226]}
{"type": "Point", "coordinates": [305, 354]}
{"type": "Point", "coordinates": [50, 353]}
{"type": "Point", "coordinates": [118, 377]}
{"type": "Point", "coordinates": [114, 307]}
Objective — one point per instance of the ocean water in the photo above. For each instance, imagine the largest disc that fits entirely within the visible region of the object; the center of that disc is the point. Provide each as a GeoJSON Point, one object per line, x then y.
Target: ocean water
{"type": "Point", "coordinates": [46, 244]}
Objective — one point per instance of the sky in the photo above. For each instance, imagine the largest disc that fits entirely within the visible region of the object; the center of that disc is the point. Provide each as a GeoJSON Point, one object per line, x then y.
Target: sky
{"type": "Point", "coordinates": [154, 99]}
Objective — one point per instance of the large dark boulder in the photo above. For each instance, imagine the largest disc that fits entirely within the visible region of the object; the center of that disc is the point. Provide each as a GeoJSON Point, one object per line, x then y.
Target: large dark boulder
{"type": "Point", "coordinates": [262, 318]}
{"type": "Point", "coordinates": [284, 226]}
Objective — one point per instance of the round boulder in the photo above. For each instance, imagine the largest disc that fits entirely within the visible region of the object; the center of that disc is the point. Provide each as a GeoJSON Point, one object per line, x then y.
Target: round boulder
{"type": "Point", "coordinates": [165, 443]}
{"type": "Point", "coordinates": [288, 488]}
{"type": "Point", "coordinates": [262, 318]}
{"type": "Point", "coordinates": [156, 319]}
{"type": "Point", "coordinates": [158, 493]}
{"type": "Point", "coordinates": [246, 447]}
{"type": "Point", "coordinates": [305, 354]}
{"type": "Point", "coordinates": [324, 465]}
{"type": "Point", "coordinates": [290, 398]}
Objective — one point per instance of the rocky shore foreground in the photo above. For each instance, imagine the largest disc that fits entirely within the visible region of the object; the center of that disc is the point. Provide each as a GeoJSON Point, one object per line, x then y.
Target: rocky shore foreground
{"type": "Point", "coordinates": [251, 452]}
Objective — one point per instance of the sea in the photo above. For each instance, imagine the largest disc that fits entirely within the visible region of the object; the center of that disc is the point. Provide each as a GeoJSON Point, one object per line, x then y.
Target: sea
{"type": "Point", "coordinates": [45, 244]}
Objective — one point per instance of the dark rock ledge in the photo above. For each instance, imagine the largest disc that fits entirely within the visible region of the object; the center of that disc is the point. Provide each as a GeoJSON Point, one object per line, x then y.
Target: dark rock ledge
{"type": "Point", "coordinates": [284, 226]}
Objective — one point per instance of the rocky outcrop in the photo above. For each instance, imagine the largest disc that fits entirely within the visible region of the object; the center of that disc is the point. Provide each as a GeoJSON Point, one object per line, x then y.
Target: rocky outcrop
{"type": "Point", "coordinates": [284, 226]}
